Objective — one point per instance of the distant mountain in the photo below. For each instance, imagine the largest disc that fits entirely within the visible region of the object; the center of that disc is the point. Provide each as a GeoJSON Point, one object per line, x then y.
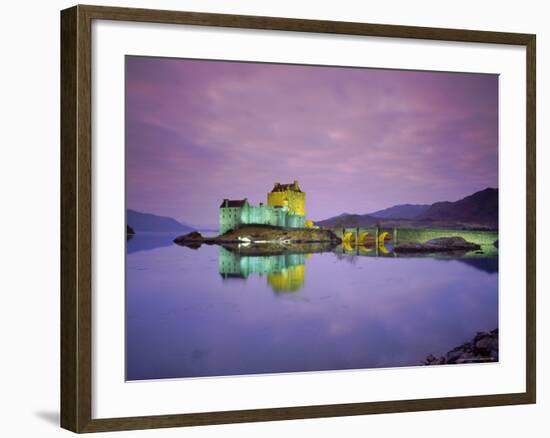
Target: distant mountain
{"type": "Point", "coordinates": [148, 241]}
{"type": "Point", "coordinates": [479, 210]}
{"type": "Point", "coordinates": [402, 211]}
{"type": "Point", "coordinates": [151, 222]}
{"type": "Point", "coordinates": [481, 207]}
{"type": "Point", "coordinates": [349, 220]}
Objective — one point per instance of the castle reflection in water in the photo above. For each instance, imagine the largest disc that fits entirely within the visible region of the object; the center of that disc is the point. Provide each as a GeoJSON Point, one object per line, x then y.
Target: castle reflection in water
{"type": "Point", "coordinates": [285, 272]}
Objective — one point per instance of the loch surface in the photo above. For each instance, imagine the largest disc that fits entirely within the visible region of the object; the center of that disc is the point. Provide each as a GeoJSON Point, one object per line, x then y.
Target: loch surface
{"type": "Point", "coordinates": [215, 312]}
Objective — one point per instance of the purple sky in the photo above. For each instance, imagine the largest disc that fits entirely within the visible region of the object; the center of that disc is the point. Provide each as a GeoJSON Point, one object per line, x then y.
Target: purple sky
{"type": "Point", "coordinates": [358, 140]}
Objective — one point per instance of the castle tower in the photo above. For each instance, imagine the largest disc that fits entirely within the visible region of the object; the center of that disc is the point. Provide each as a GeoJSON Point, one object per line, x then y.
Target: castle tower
{"type": "Point", "coordinates": [288, 195]}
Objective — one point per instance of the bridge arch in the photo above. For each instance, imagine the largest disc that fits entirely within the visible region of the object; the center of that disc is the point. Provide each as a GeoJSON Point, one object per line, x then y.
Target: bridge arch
{"type": "Point", "coordinates": [382, 248]}
{"type": "Point", "coordinates": [348, 236]}
{"type": "Point", "coordinates": [382, 237]}
{"type": "Point", "coordinates": [347, 246]}
{"type": "Point", "coordinates": [361, 236]}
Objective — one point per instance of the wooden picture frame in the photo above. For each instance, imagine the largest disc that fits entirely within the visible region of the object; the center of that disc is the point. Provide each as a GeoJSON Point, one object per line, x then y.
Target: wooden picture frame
{"type": "Point", "coordinates": [76, 217]}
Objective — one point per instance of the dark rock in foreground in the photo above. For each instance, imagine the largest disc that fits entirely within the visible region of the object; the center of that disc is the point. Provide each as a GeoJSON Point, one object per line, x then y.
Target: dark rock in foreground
{"type": "Point", "coordinates": [483, 348]}
{"type": "Point", "coordinates": [442, 244]}
{"type": "Point", "coordinates": [129, 230]}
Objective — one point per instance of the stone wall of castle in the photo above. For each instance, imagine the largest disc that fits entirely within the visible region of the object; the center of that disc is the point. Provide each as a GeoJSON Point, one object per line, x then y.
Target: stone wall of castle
{"type": "Point", "coordinates": [294, 201]}
{"type": "Point", "coordinates": [229, 218]}
{"type": "Point", "coordinates": [233, 217]}
{"type": "Point", "coordinates": [286, 207]}
{"type": "Point", "coordinates": [266, 215]}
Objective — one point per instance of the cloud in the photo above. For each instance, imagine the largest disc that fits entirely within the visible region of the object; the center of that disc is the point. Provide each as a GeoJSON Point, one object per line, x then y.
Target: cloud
{"type": "Point", "coordinates": [356, 139]}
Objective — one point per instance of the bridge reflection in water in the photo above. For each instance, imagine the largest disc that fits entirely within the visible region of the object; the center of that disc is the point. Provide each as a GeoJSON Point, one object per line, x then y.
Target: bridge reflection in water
{"type": "Point", "coordinates": [284, 267]}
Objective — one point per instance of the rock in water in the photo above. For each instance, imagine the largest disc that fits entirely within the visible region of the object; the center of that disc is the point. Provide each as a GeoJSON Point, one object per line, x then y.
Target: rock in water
{"type": "Point", "coordinates": [441, 244]}
{"type": "Point", "coordinates": [193, 236]}
{"type": "Point", "coordinates": [129, 230]}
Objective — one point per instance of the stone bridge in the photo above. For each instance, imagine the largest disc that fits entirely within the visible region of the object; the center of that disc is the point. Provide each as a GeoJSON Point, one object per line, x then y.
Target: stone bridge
{"type": "Point", "coordinates": [358, 236]}
{"type": "Point", "coordinates": [371, 241]}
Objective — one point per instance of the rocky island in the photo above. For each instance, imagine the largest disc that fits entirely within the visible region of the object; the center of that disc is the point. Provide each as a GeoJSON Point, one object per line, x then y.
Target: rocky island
{"type": "Point", "coordinates": [282, 222]}
{"type": "Point", "coordinates": [262, 234]}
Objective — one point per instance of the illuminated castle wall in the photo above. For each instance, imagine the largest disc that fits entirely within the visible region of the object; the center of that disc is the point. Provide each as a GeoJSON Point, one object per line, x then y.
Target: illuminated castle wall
{"type": "Point", "coordinates": [286, 207]}
{"type": "Point", "coordinates": [288, 195]}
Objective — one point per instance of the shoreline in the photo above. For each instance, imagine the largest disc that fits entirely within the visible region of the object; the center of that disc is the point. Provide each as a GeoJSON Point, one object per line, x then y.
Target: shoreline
{"type": "Point", "coordinates": [262, 234]}
{"type": "Point", "coordinates": [482, 348]}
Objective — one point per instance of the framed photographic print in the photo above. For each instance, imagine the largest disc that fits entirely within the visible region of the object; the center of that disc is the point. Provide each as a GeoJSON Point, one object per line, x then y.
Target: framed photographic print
{"type": "Point", "coordinates": [270, 218]}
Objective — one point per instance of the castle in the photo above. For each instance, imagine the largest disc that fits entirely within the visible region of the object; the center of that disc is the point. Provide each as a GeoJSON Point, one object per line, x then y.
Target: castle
{"type": "Point", "coordinates": [286, 207]}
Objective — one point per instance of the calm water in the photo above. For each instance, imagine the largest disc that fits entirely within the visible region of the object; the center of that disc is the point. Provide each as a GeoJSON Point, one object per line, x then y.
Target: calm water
{"type": "Point", "coordinates": [211, 312]}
